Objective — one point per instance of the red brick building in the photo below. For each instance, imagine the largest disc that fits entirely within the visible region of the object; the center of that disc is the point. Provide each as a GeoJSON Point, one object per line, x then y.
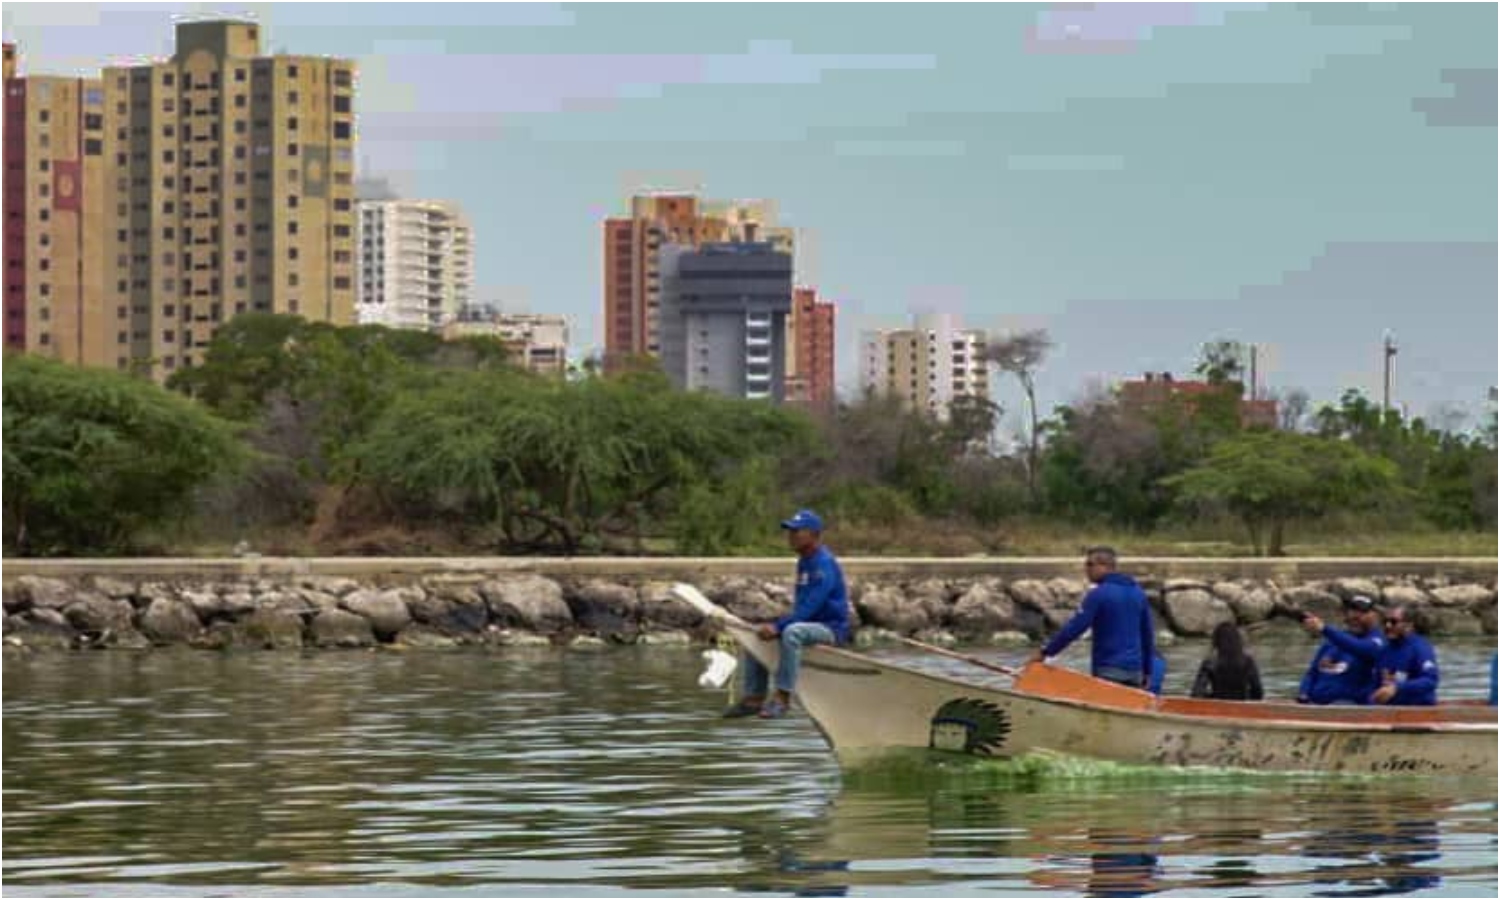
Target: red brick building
{"type": "Point", "coordinates": [1157, 388]}
{"type": "Point", "coordinates": [810, 340]}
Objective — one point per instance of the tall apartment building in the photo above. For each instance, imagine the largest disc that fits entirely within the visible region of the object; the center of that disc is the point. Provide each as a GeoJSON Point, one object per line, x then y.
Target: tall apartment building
{"type": "Point", "coordinates": [54, 171]}
{"type": "Point", "coordinates": [927, 366]}
{"type": "Point", "coordinates": [810, 342]}
{"type": "Point", "coordinates": [723, 318]}
{"type": "Point", "coordinates": [416, 263]}
{"type": "Point", "coordinates": [213, 183]}
{"type": "Point", "coordinates": [632, 268]}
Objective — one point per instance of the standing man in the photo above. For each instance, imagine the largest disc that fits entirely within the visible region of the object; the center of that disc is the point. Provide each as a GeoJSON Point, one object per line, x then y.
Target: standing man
{"type": "Point", "coordinates": [1343, 669]}
{"type": "Point", "coordinates": [1408, 668]}
{"type": "Point", "coordinates": [1120, 615]}
{"type": "Point", "coordinates": [819, 616]}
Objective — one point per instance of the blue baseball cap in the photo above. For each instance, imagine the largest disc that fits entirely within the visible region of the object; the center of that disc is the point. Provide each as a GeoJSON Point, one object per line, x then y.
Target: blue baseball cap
{"type": "Point", "coordinates": [805, 518]}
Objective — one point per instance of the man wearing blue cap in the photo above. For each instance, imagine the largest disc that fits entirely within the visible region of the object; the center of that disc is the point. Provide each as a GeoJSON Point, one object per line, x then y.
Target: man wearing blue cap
{"type": "Point", "coordinates": [819, 616]}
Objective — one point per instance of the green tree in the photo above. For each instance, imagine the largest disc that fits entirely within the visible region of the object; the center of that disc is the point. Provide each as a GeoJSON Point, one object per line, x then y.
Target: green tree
{"type": "Point", "coordinates": [94, 457]}
{"type": "Point", "coordinates": [1021, 355]}
{"type": "Point", "coordinates": [1268, 479]}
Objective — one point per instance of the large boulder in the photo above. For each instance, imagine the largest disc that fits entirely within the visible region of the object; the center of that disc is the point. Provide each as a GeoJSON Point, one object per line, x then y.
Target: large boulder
{"type": "Point", "coordinates": [604, 608]}
{"type": "Point", "coordinates": [1312, 599]}
{"type": "Point", "coordinates": [1467, 596]}
{"type": "Point", "coordinates": [1250, 603]}
{"type": "Point", "coordinates": [1195, 612]}
{"type": "Point", "coordinates": [987, 608]}
{"type": "Point", "coordinates": [890, 609]}
{"type": "Point", "coordinates": [425, 637]}
{"type": "Point", "coordinates": [237, 603]}
{"type": "Point", "coordinates": [40, 629]}
{"type": "Point", "coordinates": [207, 605]}
{"type": "Point", "coordinates": [1406, 595]}
{"type": "Point", "coordinates": [170, 622]}
{"type": "Point", "coordinates": [340, 628]}
{"type": "Point", "coordinates": [268, 628]}
{"type": "Point", "coordinates": [95, 614]}
{"type": "Point", "coordinates": [1450, 621]}
{"type": "Point", "coordinates": [528, 601]}
{"type": "Point", "coordinates": [328, 584]}
{"type": "Point", "coordinates": [33, 590]}
{"type": "Point", "coordinates": [1344, 588]}
{"type": "Point", "coordinates": [659, 607]}
{"type": "Point", "coordinates": [386, 610]}
{"type": "Point", "coordinates": [451, 609]}
{"type": "Point", "coordinates": [114, 588]}
{"type": "Point", "coordinates": [748, 601]}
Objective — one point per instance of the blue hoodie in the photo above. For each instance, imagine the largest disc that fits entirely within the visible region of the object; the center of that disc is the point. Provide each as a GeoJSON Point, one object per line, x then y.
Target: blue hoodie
{"type": "Point", "coordinates": [821, 596]}
{"type": "Point", "coordinates": [1416, 670]}
{"type": "Point", "coordinates": [1343, 669]}
{"type": "Point", "coordinates": [1120, 616]}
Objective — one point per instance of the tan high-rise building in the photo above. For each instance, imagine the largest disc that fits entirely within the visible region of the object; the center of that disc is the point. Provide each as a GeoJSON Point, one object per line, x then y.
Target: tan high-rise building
{"type": "Point", "coordinates": [54, 169]}
{"type": "Point", "coordinates": [632, 258]}
{"type": "Point", "coordinates": [230, 190]}
{"type": "Point", "coordinates": [928, 365]}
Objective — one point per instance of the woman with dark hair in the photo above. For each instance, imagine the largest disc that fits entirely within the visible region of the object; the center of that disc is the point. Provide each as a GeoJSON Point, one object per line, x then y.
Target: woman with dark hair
{"type": "Point", "coordinates": [1230, 673]}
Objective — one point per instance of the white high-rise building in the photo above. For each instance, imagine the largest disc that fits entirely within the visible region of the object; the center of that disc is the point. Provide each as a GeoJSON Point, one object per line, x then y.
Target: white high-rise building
{"type": "Point", "coordinates": [416, 263]}
{"type": "Point", "coordinates": [927, 365]}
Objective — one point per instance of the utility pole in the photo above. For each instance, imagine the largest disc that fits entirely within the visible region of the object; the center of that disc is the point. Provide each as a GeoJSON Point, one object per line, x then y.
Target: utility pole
{"type": "Point", "coordinates": [1390, 353]}
{"type": "Point", "coordinates": [1254, 382]}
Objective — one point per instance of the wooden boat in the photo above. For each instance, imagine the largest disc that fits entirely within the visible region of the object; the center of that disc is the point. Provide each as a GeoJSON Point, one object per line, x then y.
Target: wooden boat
{"type": "Point", "coordinates": [867, 707]}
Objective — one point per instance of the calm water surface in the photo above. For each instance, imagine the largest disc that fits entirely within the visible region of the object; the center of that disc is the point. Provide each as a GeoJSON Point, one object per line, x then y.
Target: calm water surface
{"type": "Point", "coordinates": [549, 772]}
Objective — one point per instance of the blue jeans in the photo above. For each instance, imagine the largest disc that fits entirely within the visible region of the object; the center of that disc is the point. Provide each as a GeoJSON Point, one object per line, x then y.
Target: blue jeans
{"type": "Point", "coordinates": [793, 638]}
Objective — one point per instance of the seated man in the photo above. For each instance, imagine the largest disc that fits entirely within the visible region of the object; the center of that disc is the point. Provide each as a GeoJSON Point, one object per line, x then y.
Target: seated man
{"type": "Point", "coordinates": [1343, 669]}
{"type": "Point", "coordinates": [819, 616]}
{"type": "Point", "coordinates": [1408, 668]}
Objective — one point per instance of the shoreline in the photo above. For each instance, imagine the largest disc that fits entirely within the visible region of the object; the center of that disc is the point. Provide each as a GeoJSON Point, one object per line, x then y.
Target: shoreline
{"type": "Point", "coordinates": [282, 603]}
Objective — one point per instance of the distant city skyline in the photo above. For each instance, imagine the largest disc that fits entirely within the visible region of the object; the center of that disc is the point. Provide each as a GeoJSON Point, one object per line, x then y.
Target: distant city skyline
{"type": "Point", "coordinates": [1138, 179]}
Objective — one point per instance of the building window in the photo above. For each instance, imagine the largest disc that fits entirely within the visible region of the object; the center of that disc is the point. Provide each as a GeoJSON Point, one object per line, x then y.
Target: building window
{"type": "Point", "coordinates": [239, 75]}
{"type": "Point", "coordinates": [291, 149]}
{"type": "Point", "coordinates": [121, 312]}
{"type": "Point", "coordinates": [46, 290]}
{"type": "Point", "coordinates": [168, 207]}
{"type": "Point", "coordinates": [122, 338]}
{"type": "Point", "coordinates": [239, 126]}
{"type": "Point", "coordinates": [167, 337]}
{"type": "Point", "coordinates": [45, 215]}
{"type": "Point", "coordinates": [292, 280]}
{"type": "Point", "coordinates": [341, 104]}
{"type": "Point", "coordinates": [341, 231]}
{"type": "Point", "coordinates": [291, 228]}
{"type": "Point", "coordinates": [291, 71]}
{"type": "Point", "coordinates": [45, 339]}
{"type": "Point", "coordinates": [239, 101]}
{"type": "Point", "coordinates": [341, 283]}
{"type": "Point", "coordinates": [341, 204]}
{"type": "Point", "coordinates": [292, 200]}
{"type": "Point", "coordinates": [168, 156]}
{"type": "Point", "coordinates": [45, 116]}
{"type": "Point", "coordinates": [93, 147]}
{"type": "Point", "coordinates": [166, 79]}
{"type": "Point", "coordinates": [292, 253]}
{"type": "Point", "coordinates": [342, 78]}
{"type": "Point", "coordinates": [341, 130]}
{"type": "Point", "coordinates": [293, 307]}
{"type": "Point", "coordinates": [44, 166]}
{"type": "Point", "coordinates": [93, 122]}
{"type": "Point", "coordinates": [239, 282]}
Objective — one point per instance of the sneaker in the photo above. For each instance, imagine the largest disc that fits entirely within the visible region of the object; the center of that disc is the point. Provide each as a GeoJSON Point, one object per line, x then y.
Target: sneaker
{"type": "Point", "coordinates": [773, 709]}
{"type": "Point", "coordinates": [742, 710]}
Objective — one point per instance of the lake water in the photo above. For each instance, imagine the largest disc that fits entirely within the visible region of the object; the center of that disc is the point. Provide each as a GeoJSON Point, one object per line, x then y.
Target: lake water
{"type": "Point", "coordinates": [546, 772]}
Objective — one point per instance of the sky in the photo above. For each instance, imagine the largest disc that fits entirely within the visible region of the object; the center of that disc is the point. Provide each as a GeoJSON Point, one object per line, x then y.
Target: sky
{"type": "Point", "coordinates": [1136, 178]}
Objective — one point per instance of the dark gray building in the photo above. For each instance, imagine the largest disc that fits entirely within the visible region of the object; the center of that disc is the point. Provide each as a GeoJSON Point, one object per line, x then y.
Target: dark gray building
{"type": "Point", "coordinates": [723, 318]}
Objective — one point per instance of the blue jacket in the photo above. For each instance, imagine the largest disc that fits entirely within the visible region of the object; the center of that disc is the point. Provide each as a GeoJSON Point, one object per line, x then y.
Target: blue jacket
{"type": "Point", "coordinates": [1416, 670]}
{"type": "Point", "coordinates": [1494, 676]}
{"type": "Point", "coordinates": [1343, 669]}
{"type": "Point", "coordinates": [1120, 616]}
{"type": "Point", "coordinates": [821, 596]}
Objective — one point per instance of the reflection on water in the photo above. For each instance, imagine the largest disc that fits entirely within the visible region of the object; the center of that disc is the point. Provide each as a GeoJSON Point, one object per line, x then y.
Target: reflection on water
{"type": "Point", "coordinates": [540, 771]}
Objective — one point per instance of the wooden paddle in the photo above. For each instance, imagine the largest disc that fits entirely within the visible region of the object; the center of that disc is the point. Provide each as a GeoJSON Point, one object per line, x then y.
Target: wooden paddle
{"type": "Point", "coordinates": [971, 660]}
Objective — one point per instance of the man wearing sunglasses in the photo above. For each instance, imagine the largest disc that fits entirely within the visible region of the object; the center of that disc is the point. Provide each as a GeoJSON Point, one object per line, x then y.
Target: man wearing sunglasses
{"type": "Point", "coordinates": [1408, 668]}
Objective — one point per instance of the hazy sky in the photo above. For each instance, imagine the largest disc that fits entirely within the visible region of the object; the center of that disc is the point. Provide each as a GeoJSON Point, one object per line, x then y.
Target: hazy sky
{"type": "Point", "coordinates": [1138, 178]}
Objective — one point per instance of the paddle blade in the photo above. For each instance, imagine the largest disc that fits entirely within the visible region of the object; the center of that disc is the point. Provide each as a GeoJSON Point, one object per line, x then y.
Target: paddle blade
{"type": "Point", "coordinates": [693, 597]}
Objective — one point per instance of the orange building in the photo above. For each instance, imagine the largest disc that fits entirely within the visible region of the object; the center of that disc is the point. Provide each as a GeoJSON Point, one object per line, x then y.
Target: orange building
{"type": "Point", "coordinates": [810, 342]}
